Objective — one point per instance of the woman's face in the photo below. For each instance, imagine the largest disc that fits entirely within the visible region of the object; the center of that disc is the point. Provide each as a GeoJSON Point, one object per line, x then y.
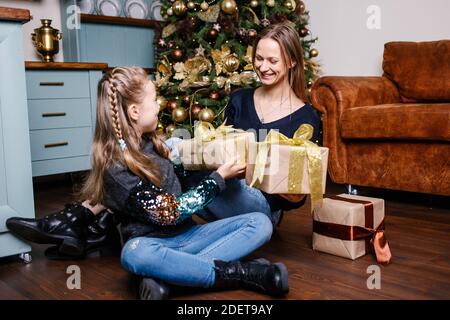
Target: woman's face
{"type": "Point", "coordinates": [269, 62]}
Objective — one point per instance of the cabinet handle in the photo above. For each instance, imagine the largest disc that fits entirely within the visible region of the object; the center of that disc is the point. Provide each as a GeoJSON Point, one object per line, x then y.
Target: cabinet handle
{"type": "Point", "coordinates": [57, 144]}
{"type": "Point", "coordinates": [53, 114]}
{"type": "Point", "coordinates": [51, 83]}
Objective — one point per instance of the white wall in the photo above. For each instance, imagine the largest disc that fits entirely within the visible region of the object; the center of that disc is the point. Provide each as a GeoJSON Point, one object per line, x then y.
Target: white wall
{"type": "Point", "coordinates": [39, 9]}
{"type": "Point", "coordinates": [347, 47]}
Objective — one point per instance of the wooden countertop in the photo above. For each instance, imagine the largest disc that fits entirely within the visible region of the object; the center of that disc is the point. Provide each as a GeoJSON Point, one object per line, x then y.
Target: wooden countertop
{"type": "Point", "coordinates": [13, 14]}
{"type": "Point", "coordinates": [37, 65]}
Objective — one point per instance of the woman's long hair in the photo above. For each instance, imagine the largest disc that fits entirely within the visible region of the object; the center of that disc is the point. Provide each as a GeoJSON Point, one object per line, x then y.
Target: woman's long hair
{"type": "Point", "coordinates": [291, 49]}
{"type": "Point", "coordinates": [118, 89]}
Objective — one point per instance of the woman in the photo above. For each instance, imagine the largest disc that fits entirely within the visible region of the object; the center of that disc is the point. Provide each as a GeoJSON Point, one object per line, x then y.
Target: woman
{"type": "Point", "coordinates": [280, 103]}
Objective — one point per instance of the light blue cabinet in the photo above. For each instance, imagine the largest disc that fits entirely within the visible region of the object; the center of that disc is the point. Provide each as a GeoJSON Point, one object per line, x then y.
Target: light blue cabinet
{"type": "Point", "coordinates": [61, 107]}
{"type": "Point", "coordinates": [16, 188]}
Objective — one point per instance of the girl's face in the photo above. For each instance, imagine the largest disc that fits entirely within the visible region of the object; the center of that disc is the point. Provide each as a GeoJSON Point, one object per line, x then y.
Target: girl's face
{"type": "Point", "coordinates": [269, 62]}
{"type": "Point", "coordinates": [147, 119]}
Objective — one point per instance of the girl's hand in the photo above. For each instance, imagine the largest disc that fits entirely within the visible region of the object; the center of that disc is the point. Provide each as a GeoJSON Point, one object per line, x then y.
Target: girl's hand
{"type": "Point", "coordinates": [231, 169]}
{"type": "Point", "coordinates": [293, 197]}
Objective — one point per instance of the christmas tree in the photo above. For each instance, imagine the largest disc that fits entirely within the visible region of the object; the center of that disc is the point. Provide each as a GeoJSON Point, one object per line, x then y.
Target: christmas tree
{"type": "Point", "coordinates": [204, 51]}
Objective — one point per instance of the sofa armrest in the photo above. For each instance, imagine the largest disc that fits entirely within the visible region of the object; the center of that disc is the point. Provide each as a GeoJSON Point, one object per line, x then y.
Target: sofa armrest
{"type": "Point", "coordinates": [331, 95]}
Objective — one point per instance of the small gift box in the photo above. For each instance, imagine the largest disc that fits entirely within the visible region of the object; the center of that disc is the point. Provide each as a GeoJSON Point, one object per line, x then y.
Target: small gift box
{"type": "Point", "coordinates": [281, 165]}
{"type": "Point", "coordinates": [351, 226]}
{"type": "Point", "coordinates": [210, 148]}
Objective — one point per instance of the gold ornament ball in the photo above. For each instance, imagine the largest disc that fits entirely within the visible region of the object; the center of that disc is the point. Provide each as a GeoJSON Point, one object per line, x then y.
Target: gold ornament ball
{"type": "Point", "coordinates": [254, 3]}
{"type": "Point", "coordinates": [228, 6]}
{"type": "Point", "coordinates": [204, 6]}
{"type": "Point", "coordinates": [290, 5]}
{"type": "Point", "coordinates": [170, 128]}
{"type": "Point", "coordinates": [206, 114]}
{"type": "Point", "coordinates": [169, 12]}
{"type": "Point", "coordinates": [270, 3]}
{"type": "Point", "coordinates": [191, 5]}
{"type": "Point", "coordinates": [231, 62]}
{"type": "Point", "coordinates": [179, 8]}
{"type": "Point", "coordinates": [162, 102]}
{"type": "Point", "coordinates": [179, 114]}
{"type": "Point", "coordinates": [159, 128]}
{"type": "Point", "coordinates": [313, 53]}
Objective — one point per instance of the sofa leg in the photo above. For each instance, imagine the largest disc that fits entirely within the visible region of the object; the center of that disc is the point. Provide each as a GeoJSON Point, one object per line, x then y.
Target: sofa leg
{"type": "Point", "coordinates": [351, 190]}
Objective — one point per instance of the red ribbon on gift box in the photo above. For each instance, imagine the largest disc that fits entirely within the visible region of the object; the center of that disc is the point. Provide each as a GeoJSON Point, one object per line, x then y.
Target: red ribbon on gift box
{"type": "Point", "coordinates": [374, 237]}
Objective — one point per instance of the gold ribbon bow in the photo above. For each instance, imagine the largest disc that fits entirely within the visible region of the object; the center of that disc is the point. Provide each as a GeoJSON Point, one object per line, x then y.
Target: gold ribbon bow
{"type": "Point", "coordinates": [301, 139]}
{"type": "Point", "coordinates": [205, 132]}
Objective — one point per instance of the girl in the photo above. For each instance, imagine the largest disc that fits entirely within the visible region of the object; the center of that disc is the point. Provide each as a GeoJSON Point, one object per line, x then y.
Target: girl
{"type": "Point", "coordinates": [132, 176]}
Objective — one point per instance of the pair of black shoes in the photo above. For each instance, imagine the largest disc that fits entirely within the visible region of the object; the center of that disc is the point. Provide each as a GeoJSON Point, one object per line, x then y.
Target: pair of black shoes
{"type": "Point", "coordinates": [75, 231]}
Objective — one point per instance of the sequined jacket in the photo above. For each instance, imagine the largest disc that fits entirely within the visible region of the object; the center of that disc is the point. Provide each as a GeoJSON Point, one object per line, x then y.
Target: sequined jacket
{"type": "Point", "coordinates": [144, 209]}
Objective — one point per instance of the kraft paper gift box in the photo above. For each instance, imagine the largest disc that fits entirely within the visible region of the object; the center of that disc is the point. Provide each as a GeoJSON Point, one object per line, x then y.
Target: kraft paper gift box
{"type": "Point", "coordinates": [288, 166]}
{"type": "Point", "coordinates": [350, 226]}
{"type": "Point", "coordinates": [210, 148]}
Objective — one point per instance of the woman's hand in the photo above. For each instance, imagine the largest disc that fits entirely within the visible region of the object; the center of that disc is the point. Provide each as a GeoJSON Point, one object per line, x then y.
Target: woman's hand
{"type": "Point", "coordinates": [293, 197]}
{"type": "Point", "coordinates": [231, 169]}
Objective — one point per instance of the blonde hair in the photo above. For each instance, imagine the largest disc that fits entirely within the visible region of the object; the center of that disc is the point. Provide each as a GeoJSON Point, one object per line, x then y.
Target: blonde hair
{"type": "Point", "coordinates": [118, 89]}
{"type": "Point", "coordinates": [289, 41]}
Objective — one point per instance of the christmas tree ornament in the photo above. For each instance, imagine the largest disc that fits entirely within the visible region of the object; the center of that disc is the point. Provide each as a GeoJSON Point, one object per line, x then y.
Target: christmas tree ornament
{"type": "Point", "coordinates": [170, 44]}
{"type": "Point", "coordinates": [290, 5]}
{"type": "Point", "coordinates": [303, 32]}
{"type": "Point", "coordinates": [270, 3]}
{"type": "Point", "coordinates": [172, 104]}
{"type": "Point", "coordinates": [179, 114]}
{"type": "Point", "coordinates": [211, 14]}
{"type": "Point", "coordinates": [204, 6]}
{"type": "Point", "coordinates": [186, 99]}
{"type": "Point", "coordinates": [313, 53]}
{"type": "Point", "coordinates": [228, 6]}
{"type": "Point", "coordinates": [217, 27]}
{"type": "Point", "coordinates": [170, 12]}
{"type": "Point", "coordinates": [212, 34]}
{"type": "Point", "coordinates": [191, 5]}
{"type": "Point", "coordinates": [254, 3]}
{"type": "Point", "coordinates": [193, 22]}
{"type": "Point", "coordinates": [195, 109]}
{"type": "Point", "coordinates": [162, 102]}
{"type": "Point", "coordinates": [309, 83]}
{"type": "Point", "coordinates": [170, 129]}
{"type": "Point", "coordinates": [231, 62]}
{"type": "Point", "coordinates": [159, 128]}
{"type": "Point", "coordinates": [302, 7]}
{"type": "Point", "coordinates": [265, 23]}
{"type": "Point", "coordinates": [200, 51]}
{"type": "Point", "coordinates": [161, 43]}
{"type": "Point", "coordinates": [206, 114]}
{"type": "Point", "coordinates": [179, 8]}
{"type": "Point", "coordinates": [251, 35]}
{"type": "Point", "coordinates": [177, 54]}
{"type": "Point", "coordinates": [214, 95]}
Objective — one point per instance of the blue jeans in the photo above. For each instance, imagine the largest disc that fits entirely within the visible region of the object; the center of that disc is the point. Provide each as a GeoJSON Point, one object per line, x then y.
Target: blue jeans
{"type": "Point", "coordinates": [188, 259]}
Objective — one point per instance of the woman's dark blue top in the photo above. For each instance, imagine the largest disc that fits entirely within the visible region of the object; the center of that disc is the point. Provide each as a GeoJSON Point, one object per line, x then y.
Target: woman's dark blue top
{"type": "Point", "coordinates": [241, 113]}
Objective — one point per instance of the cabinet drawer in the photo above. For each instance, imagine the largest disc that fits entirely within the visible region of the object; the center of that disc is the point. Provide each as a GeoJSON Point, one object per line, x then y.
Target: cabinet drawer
{"type": "Point", "coordinates": [60, 143]}
{"type": "Point", "coordinates": [57, 84]}
{"type": "Point", "coordinates": [59, 113]}
{"type": "Point", "coordinates": [55, 166]}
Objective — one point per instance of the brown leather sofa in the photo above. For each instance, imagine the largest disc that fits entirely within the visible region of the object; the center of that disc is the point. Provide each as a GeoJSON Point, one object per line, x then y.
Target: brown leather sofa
{"type": "Point", "coordinates": [391, 131]}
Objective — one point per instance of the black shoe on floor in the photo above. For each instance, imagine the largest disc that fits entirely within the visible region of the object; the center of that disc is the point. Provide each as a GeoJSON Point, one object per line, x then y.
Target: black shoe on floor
{"type": "Point", "coordinates": [67, 228]}
{"type": "Point", "coordinates": [151, 289]}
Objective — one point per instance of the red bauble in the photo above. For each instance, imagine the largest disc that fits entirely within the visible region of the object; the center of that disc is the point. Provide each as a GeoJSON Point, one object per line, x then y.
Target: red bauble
{"type": "Point", "coordinates": [172, 104]}
{"type": "Point", "coordinates": [303, 32]}
{"type": "Point", "coordinates": [195, 109]}
{"type": "Point", "coordinates": [177, 54]}
{"type": "Point", "coordinates": [214, 95]}
{"type": "Point", "coordinates": [212, 34]}
{"type": "Point", "coordinates": [186, 99]}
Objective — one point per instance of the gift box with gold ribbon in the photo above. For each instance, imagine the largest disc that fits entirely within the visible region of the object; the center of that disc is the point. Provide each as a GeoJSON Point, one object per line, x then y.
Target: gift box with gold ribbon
{"type": "Point", "coordinates": [211, 147]}
{"type": "Point", "coordinates": [351, 226]}
{"type": "Point", "coordinates": [282, 165]}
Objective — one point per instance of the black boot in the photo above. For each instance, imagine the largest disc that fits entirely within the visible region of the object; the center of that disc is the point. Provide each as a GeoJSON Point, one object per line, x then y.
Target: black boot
{"type": "Point", "coordinates": [102, 239]}
{"type": "Point", "coordinates": [67, 228]}
{"type": "Point", "coordinates": [151, 289]}
{"type": "Point", "coordinates": [271, 279]}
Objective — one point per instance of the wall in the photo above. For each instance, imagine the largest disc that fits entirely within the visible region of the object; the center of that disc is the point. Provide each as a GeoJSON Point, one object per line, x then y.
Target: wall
{"type": "Point", "coordinates": [347, 47]}
{"type": "Point", "coordinates": [39, 9]}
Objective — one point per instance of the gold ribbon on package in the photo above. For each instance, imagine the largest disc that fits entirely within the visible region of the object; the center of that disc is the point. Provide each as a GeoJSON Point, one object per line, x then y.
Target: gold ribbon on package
{"type": "Point", "coordinates": [296, 162]}
{"type": "Point", "coordinates": [205, 132]}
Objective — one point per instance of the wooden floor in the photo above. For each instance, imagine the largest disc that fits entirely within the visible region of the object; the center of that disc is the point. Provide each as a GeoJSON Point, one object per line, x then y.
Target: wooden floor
{"type": "Point", "coordinates": [418, 230]}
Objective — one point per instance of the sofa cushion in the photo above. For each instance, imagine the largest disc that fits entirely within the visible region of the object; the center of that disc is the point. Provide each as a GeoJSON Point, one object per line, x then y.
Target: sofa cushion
{"type": "Point", "coordinates": [410, 121]}
{"type": "Point", "coordinates": [421, 70]}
